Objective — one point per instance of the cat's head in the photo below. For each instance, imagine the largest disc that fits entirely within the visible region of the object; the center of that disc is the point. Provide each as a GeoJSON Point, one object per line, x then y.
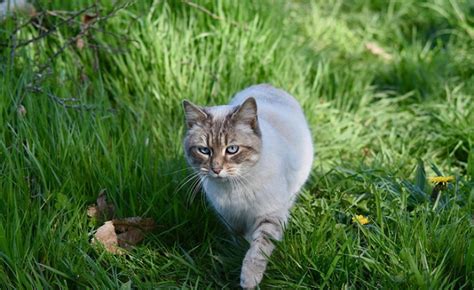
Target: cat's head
{"type": "Point", "coordinates": [224, 141]}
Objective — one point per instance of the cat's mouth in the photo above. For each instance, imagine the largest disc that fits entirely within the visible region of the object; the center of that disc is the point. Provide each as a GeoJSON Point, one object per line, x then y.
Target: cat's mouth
{"type": "Point", "coordinates": [220, 176]}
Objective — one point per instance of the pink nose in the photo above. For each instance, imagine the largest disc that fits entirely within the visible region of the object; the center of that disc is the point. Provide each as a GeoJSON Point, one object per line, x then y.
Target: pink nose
{"type": "Point", "coordinates": [217, 170]}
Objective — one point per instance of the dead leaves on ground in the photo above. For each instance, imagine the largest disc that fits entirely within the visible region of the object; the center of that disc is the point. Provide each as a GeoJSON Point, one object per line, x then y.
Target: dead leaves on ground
{"type": "Point", "coordinates": [117, 235]}
{"type": "Point", "coordinates": [101, 211]}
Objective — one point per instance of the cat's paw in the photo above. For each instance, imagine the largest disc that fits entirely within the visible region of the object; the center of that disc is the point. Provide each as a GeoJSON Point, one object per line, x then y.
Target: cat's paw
{"type": "Point", "coordinates": [250, 280]}
{"type": "Point", "coordinates": [252, 274]}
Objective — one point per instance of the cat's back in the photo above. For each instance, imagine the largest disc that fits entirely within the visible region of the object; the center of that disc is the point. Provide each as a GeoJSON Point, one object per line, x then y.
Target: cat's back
{"type": "Point", "coordinates": [267, 96]}
{"type": "Point", "coordinates": [277, 108]}
{"type": "Point", "coordinates": [284, 127]}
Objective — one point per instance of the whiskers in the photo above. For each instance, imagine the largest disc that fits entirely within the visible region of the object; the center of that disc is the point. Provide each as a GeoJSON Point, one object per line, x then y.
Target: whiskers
{"type": "Point", "coordinates": [194, 180]}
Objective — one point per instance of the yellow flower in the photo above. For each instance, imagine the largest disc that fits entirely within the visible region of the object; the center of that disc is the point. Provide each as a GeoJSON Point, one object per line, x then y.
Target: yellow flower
{"type": "Point", "coordinates": [360, 219]}
{"type": "Point", "coordinates": [441, 179]}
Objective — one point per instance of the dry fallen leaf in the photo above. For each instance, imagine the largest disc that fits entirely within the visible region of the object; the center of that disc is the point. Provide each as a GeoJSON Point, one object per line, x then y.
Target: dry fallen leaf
{"type": "Point", "coordinates": [88, 18]}
{"type": "Point", "coordinates": [375, 49]}
{"type": "Point", "coordinates": [106, 236]}
{"type": "Point", "coordinates": [146, 224]}
{"type": "Point", "coordinates": [101, 210]}
{"type": "Point", "coordinates": [117, 234]}
{"type": "Point", "coordinates": [122, 233]}
{"type": "Point", "coordinates": [130, 238]}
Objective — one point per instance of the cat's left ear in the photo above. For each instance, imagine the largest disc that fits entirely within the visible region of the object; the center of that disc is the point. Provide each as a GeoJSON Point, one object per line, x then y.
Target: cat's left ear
{"type": "Point", "coordinates": [247, 113]}
{"type": "Point", "coordinates": [194, 114]}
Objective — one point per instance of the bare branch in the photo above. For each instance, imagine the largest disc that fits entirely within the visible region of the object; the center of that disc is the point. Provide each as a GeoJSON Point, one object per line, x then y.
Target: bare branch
{"type": "Point", "coordinates": [87, 28]}
{"type": "Point", "coordinates": [214, 16]}
{"type": "Point", "coordinates": [54, 29]}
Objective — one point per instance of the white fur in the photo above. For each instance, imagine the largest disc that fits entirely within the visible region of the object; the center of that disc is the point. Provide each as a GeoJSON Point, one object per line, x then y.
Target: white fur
{"type": "Point", "coordinates": [259, 204]}
{"type": "Point", "coordinates": [284, 165]}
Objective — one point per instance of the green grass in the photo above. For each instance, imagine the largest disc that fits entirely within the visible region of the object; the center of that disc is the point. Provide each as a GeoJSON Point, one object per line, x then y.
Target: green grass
{"type": "Point", "coordinates": [380, 128]}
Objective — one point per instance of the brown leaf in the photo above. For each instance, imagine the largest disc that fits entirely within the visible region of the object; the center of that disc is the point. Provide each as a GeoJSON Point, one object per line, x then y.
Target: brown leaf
{"type": "Point", "coordinates": [375, 49]}
{"type": "Point", "coordinates": [130, 238]}
{"type": "Point", "coordinates": [101, 210]}
{"type": "Point", "coordinates": [106, 236]}
{"type": "Point", "coordinates": [88, 18]}
{"type": "Point", "coordinates": [124, 233]}
{"type": "Point", "coordinates": [145, 224]}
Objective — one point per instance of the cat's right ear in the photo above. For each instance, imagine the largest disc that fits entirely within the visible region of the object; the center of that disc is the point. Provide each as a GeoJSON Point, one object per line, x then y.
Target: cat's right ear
{"type": "Point", "coordinates": [194, 114]}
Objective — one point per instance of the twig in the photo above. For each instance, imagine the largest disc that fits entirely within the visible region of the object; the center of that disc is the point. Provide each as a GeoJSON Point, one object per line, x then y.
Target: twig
{"type": "Point", "coordinates": [23, 25]}
{"type": "Point", "coordinates": [204, 10]}
{"type": "Point", "coordinates": [63, 102]}
{"type": "Point", "coordinates": [57, 53]}
{"type": "Point", "coordinates": [86, 28]}
{"type": "Point", "coordinates": [114, 11]}
{"type": "Point", "coordinates": [117, 35]}
{"type": "Point", "coordinates": [57, 12]}
{"type": "Point", "coordinates": [108, 48]}
{"type": "Point", "coordinates": [52, 30]}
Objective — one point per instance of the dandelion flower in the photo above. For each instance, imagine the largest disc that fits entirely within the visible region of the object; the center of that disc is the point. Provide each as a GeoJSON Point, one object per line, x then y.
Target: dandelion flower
{"type": "Point", "coordinates": [441, 179]}
{"type": "Point", "coordinates": [441, 182]}
{"type": "Point", "coordinates": [360, 219]}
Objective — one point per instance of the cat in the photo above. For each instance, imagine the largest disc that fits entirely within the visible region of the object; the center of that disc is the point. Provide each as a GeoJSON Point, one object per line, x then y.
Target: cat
{"type": "Point", "coordinates": [252, 156]}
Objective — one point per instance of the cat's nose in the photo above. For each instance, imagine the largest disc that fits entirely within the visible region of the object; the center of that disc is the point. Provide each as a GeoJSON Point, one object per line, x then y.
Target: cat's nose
{"type": "Point", "coordinates": [217, 170]}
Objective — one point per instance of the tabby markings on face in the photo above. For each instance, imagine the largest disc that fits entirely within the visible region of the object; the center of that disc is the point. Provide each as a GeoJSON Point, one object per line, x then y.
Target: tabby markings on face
{"type": "Point", "coordinates": [222, 142]}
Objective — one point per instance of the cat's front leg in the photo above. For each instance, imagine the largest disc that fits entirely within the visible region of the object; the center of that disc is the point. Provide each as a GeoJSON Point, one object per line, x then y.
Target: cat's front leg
{"type": "Point", "coordinates": [255, 262]}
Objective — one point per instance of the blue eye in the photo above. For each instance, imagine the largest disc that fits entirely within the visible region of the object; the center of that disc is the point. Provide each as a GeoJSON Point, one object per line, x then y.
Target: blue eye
{"type": "Point", "coordinates": [232, 149]}
{"type": "Point", "coordinates": [204, 150]}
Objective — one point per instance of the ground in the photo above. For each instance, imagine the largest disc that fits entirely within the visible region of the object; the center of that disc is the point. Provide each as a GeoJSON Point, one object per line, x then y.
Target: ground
{"type": "Point", "coordinates": [93, 103]}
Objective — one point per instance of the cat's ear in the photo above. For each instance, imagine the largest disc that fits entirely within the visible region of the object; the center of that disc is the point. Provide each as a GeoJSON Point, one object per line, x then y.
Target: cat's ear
{"type": "Point", "coordinates": [194, 114]}
{"type": "Point", "coordinates": [247, 113]}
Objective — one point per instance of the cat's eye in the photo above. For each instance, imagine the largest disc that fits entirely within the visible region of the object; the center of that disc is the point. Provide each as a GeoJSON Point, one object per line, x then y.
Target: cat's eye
{"type": "Point", "coordinates": [204, 150]}
{"type": "Point", "coordinates": [232, 149]}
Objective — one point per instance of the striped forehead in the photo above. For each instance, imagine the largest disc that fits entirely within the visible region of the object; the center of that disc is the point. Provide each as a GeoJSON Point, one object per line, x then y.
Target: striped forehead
{"type": "Point", "coordinates": [217, 135]}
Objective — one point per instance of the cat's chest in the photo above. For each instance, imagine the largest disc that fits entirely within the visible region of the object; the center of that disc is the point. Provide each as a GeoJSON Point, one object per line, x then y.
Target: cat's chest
{"type": "Point", "coordinates": [229, 199]}
{"type": "Point", "coordinates": [239, 207]}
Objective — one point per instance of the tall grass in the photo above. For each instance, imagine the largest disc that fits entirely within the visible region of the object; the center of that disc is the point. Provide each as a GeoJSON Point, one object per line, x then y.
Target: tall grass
{"type": "Point", "coordinates": [380, 128]}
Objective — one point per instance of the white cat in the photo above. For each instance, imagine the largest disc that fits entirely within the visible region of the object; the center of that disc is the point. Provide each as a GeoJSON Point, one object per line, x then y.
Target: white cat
{"type": "Point", "coordinates": [253, 157]}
